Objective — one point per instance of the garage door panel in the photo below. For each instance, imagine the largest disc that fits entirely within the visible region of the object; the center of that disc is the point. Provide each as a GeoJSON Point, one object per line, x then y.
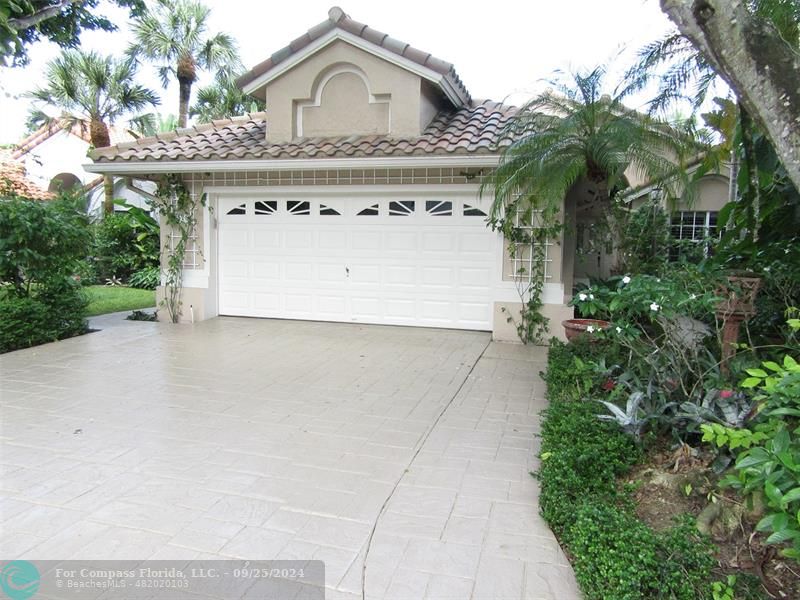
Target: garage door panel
{"type": "Point", "coordinates": [397, 308]}
{"type": "Point", "coordinates": [237, 269]}
{"type": "Point", "coordinates": [331, 272]}
{"type": "Point", "coordinates": [366, 305]}
{"type": "Point", "coordinates": [233, 238]}
{"type": "Point", "coordinates": [405, 241]}
{"type": "Point", "coordinates": [266, 302]}
{"type": "Point", "coordinates": [437, 277]}
{"type": "Point", "coordinates": [366, 240]}
{"type": "Point", "coordinates": [421, 267]}
{"type": "Point", "coordinates": [400, 275]}
{"type": "Point", "coordinates": [364, 274]}
{"type": "Point", "coordinates": [268, 271]}
{"type": "Point", "coordinates": [264, 239]}
{"type": "Point", "coordinates": [299, 304]}
{"type": "Point", "coordinates": [436, 310]}
{"type": "Point", "coordinates": [438, 242]}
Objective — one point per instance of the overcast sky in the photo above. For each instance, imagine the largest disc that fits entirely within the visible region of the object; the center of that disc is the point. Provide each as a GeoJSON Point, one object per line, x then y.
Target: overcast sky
{"type": "Point", "coordinates": [502, 50]}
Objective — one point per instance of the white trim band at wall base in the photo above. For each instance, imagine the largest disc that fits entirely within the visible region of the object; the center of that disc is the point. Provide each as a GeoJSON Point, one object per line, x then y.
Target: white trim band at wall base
{"type": "Point", "coordinates": [295, 164]}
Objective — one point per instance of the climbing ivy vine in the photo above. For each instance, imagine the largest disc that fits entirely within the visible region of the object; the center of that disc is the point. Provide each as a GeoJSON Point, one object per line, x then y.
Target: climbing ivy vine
{"type": "Point", "coordinates": [527, 228]}
{"type": "Point", "coordinates": [178, 211]}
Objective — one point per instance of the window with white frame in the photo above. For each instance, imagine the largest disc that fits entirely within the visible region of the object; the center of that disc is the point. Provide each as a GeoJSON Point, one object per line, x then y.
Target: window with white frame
{"type": "Point", "coordinates": [692, 227]}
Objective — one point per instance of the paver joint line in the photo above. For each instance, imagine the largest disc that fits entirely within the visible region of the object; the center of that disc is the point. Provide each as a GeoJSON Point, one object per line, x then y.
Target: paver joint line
{"type": "Point", "coordinates": [420, 445]}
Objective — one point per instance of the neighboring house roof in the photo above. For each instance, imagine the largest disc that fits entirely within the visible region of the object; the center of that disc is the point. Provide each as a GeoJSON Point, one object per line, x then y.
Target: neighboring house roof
{"type": "Point", "coordinates": [79, 130]}
{"type": "Point", "coordinates": [337, 19]}
{"type": "Point", "coordinates": [470, 130]}
{"type": "Point", "coordinates": [14, 183]}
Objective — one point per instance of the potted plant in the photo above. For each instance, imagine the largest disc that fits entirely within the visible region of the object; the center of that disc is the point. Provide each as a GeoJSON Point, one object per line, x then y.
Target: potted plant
{"type": "Point", "coordinates": [577, 327]}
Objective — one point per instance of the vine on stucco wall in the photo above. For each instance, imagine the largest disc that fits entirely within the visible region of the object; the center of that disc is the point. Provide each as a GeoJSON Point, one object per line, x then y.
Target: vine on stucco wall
{"type": "Point", "coordinates": [178, 211]}
{"type": "Point", "coordinates": [527, 231]}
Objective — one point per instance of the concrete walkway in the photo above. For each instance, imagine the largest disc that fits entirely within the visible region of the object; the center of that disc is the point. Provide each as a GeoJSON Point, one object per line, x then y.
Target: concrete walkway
{"type": "Point", "coordinates": [398, 456]}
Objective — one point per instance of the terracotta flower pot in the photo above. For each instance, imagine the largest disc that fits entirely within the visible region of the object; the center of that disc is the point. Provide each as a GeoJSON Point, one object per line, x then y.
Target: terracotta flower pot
{"type": "Point", "coordinates": [576, 327]}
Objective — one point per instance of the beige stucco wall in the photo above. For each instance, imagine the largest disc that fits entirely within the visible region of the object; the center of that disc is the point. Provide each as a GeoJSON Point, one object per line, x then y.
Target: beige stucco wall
{"type": "Point", "coordinates": [298, 86]}
{"type": "Point", "coordinates": [711, 194]}
{"type": "Point", "coordinates": [504, 330]}
{"type": "Point", "coordinates": [345, 108]}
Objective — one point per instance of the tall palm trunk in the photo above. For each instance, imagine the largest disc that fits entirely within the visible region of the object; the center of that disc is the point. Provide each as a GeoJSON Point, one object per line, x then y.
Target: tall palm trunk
{"type": "Point", "coordinates": [186, 75]}
{"type": "Point", "coordinates": [98, 132]}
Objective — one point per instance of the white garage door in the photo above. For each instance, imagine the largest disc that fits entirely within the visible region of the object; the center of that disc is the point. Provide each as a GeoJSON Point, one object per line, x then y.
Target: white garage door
{"type": "Point", "coordinates": [401, 260]}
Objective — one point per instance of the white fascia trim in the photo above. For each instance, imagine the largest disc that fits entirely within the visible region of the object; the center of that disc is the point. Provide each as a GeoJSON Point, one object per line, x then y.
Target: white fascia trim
{"type": "Point", "coordinates": [338, 34]}
{"type": "Point", "coordinates": [297, 164]}
{"type": "Point", "coordinates": [447, 189]}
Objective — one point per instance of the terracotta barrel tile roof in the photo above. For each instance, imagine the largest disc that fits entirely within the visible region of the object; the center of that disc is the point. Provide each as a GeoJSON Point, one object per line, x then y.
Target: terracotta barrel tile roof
{"type": "Point", "coordinates": [477, 128]}
{"type": "Point", "coordinates": [13, 182]}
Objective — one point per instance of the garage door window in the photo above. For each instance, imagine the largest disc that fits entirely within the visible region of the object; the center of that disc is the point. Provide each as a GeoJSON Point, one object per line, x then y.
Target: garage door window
{"type": "Point", "coordinates": [327, 211]}
{"type": "Point", "coordinates": [471, 211]}
{"type": "Point", "coordinates": [439, 209]}
{"type": "Point", "coordinates": [401, 208]}
{"type": "Point", "coordinates": [237, 210]}
{"type": "Point", "coordinates": [268, 207]}
{"type": "Point", "coordinates": [298, 207]}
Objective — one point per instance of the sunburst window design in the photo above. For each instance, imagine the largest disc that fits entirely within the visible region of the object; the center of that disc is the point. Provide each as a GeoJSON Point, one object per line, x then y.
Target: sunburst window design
{"type": "Point", "coordinates": [298, 207]}
{"type": "Point", "coordinates": [370, 211]}
{"type": "Point", "coordinates": [471, 211]}
{"type": "Point", "coordinates": [327, 211]}
{"type": "Point", "coordinates": [439, 209]}
{"type": "Point", "coordinates": [266, 207]}
{"type": "Point", "coordinates": [237, 210]}
{"type": "Point", "coordinates": [401, 208]}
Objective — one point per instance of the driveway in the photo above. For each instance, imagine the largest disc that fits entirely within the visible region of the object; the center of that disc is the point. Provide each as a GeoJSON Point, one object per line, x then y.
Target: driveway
{"type": "Point", "coordinates": [398, 456]}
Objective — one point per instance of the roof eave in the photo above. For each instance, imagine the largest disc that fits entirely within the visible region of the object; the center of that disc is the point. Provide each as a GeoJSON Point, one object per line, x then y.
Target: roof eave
{"type": "Point", "coordinates": [295, 164]}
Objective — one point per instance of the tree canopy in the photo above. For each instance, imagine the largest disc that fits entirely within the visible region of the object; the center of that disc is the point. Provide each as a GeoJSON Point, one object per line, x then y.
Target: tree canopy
{"type": "Point", "coordinates": [23, 22]}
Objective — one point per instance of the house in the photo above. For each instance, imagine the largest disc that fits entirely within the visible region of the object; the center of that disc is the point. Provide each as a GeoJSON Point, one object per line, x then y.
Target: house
{"type": "Point", "coordinates": [15, 182]}
{"type": "Point", "coordinates": [53, 159]}
{"type": "Point", "coordinates": [354, 197]}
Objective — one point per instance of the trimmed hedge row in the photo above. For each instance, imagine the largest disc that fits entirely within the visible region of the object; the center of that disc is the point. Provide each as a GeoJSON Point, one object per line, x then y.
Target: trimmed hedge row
{"type": "Point", "coordinates": [614, 554]}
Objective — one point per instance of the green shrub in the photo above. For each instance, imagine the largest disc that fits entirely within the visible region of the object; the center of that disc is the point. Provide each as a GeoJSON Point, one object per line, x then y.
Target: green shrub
{"type": "Point", "coordinates": [41, 246]}
{"type": "Point", "coordinates": [148, 278]}
{"type": "Point", "coordinates": [614, 554]}
{"type": "Point", "coordinates": [53, 314]}
{"type": "Point", "coordinates": [123, 246]}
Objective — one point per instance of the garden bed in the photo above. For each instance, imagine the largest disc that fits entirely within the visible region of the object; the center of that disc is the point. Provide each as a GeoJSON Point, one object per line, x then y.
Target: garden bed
{"type": "Point", "coordinates": [626, 516]}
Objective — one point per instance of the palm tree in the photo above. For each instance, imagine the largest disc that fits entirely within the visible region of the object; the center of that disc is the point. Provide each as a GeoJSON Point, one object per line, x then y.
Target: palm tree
{"type": "Point", "coordinates": [93, 91]}
{"type": "Point", "coordinates": [572, 133]}
{"type": "Point", "coordinates": [222, 100]}
{"type": "Point", "coordinates": [174, 35]}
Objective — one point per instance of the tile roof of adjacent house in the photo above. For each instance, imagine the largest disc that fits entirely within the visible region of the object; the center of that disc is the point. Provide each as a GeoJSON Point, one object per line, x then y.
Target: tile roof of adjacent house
{"type": "Point", "coordinates": [474, 129]}
{"type": "Point", "coordinates": [338, 19]}
{"type": "Point", "coordinates": [13, 181]}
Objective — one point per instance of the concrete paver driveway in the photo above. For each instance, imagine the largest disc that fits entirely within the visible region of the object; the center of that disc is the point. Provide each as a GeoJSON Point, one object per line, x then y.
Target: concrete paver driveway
{"type": "Point", "coordinates": [398, 456]}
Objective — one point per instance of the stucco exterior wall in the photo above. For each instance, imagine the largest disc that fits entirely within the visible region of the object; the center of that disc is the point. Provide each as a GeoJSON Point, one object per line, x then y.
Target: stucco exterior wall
{"type": "Point", "coordinates": [60, 153]}
{"type": "Point", "coordinates": [298, 87]}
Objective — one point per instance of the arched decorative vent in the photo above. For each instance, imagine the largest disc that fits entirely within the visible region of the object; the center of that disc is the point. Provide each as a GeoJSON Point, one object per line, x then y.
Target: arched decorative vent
{"type": "Point", "coordinates": [327, 211]}
{"type": "Point", "coordinates": [438, 208]}
{"type": "Point", "coordinates": [298, 207]}
{"type": "Point", "coordinates": [401, 208]}
{"type": "Point", "coordinates": [471, 211]}
{"type": "Point", "coordinates": [266, 207]}
{"type": "Point", "coordinates": [370, 211]}
{"type": "Point", "coordinates": [237, 210]}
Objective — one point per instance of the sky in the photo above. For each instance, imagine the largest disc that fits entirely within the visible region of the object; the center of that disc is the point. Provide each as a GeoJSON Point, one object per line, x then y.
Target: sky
{"type": "Point", "coordinates": [504, 54]}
